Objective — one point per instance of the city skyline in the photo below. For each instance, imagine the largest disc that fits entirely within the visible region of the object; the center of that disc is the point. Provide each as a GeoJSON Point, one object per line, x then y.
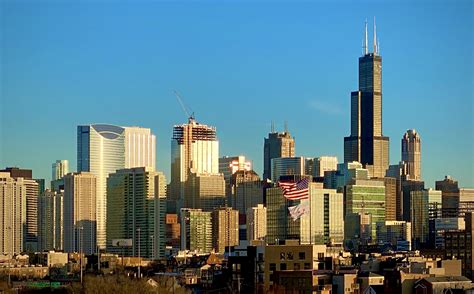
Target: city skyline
{"type": "Point", "coordinates": [414, 106]}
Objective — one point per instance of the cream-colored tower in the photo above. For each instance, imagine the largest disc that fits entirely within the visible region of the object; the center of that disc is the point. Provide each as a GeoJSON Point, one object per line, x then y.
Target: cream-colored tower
{"type": "Point", "coordinates": [80, 213]}
{"type": "Point", "coordinates": [12, 214]}
{"type": "Point", "coordinates": [411, 154]}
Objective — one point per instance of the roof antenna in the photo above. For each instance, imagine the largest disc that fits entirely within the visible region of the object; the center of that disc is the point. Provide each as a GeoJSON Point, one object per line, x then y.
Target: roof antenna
{"type": "Point", "coordinates": [286, 126]}
{"type": "Point", "coordinates": [375, 39]}
{"type": "Point", "coordinates": [273, 127]}
{"type": "Point", "coordinates": [366, 40]}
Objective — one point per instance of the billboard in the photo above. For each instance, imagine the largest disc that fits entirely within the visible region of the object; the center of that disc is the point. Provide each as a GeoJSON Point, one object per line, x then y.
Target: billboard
{"type": "Point", "coordinates": [122, 242]}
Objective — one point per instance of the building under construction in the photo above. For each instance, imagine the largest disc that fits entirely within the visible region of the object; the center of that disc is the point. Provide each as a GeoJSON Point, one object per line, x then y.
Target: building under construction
{"type": "Point", "coordinates": [194, 149]}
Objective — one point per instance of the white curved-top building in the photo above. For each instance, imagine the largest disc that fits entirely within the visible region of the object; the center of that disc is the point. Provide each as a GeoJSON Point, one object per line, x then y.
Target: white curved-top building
{"type": "Point", "coordinates": [102, 149]}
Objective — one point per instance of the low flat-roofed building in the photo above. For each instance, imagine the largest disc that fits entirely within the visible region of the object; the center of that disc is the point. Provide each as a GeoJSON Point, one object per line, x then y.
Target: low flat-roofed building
{"type": "Point", "coordinates": [292, 256]}
{"type": "Point", "coordinates": [445, 284]}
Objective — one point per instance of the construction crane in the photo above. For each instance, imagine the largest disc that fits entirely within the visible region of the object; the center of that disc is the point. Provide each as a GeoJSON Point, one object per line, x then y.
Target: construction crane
{"type": "Point", "coordinates": [178, 97]}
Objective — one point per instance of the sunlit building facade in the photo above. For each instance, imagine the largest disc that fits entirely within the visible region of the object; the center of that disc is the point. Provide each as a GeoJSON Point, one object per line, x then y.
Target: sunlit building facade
{"type": "Point", "coordinates": [12, 214]}
{"type": "Point", "coordinates": [80, 213]}
{"type": "Point", "coordinates": [276, 145]}
{"type": "Point", "coordinates": [205, 191]}
{"type": "Point", "coordinates": [323, 223]}
{"type": "Point", "coordinates": [411, 154]}
{"type": "Point", "coordinates": [50, 220]}
{"type": "Point", "coordinates": [59, 169]}
{"type": "Point", "coordinates": [256, 222]}
{"type": "Point", "coordinates": [287, 166]}
{"type": "Point", "coordinates": [228, 165]}
{"type": "Point", "coordinates": [136, 206]}
{"type": "Point", "coordinates": [420, 205]}
{"type": "Point", "coordinates": [30, 230]}
{"type": "Point", "coordinates": [366, 197]}
{"type": "Point", "coordinates": [323, 164]}
{"type": "Point", "coordinates": [246, 191]}
{"type": "Point", "coordinates": [196, 230]}
{"type": "Point", "coordinates": [225, 222]}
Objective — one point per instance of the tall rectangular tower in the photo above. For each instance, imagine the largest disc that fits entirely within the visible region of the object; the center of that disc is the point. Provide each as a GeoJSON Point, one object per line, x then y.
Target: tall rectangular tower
{"type": "Point", "coordinates": [225, 233]}
{"type": "Point", "coordinates": [276, 145]}
{"type": "Point", "coordinates": [411, 154]}
{"type": "Point", "coordinates": [366, 144]}
{"type": "Point", "coordinates": [80, 214]}
{"type": "Point", "coordinates": [50, 220]}
{"type": "Point", "coordinates": [30, 238]}
{"type": "Point", "coordinates": [135, 210]}
{"type": "Point", "coordinates": [59, 169]}
{"type": "Point", "coordinates": [13, 199]}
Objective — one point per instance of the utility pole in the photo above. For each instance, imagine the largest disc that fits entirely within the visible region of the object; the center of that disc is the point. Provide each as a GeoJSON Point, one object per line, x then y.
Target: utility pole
{"type": "Point", "coordinates": [81, 237]}
{"type": "Point", "coordinates": [139, 259]}
{"type": "Point", "coordinates": [98, 259]}
{"type": "Point", "coordinates": [152, 247]}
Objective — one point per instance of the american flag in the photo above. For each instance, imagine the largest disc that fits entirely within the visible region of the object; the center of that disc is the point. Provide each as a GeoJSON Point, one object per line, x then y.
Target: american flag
{"type": "Point", "coordinates": [295, 191]}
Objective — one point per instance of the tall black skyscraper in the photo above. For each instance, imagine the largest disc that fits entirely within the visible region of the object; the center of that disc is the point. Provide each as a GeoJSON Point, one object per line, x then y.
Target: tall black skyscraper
{"type": "Point", "coordinates": [275, 146]}
{"type": "Point", "coordinates": [366, 144]}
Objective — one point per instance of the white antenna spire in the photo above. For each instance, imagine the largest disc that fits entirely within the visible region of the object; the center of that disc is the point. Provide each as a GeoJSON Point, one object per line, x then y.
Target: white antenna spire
{"type": "Point", "coordinates": [366, 44]}
{"type": "Point", "coordinates": [375, 39]}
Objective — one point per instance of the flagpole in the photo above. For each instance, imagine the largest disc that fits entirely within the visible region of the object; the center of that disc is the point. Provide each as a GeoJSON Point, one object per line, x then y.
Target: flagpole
{"type": "Point", "coordinates": [310, 215]}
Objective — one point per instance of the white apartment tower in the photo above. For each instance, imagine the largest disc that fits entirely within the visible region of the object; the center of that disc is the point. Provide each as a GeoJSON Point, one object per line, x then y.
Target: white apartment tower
{"type": "Point", "coordinates": [80, 214]}
{"type": "Point", "coordinates": [324, 163]}
{"type": "Point", "coordinates": [60, 169]}
{"type": "Point", "coordinates": [12, 214]}
{"type": "Point", "coordinates": [256, 223]}
{"type": "Point", "coordinates": [50, 220]}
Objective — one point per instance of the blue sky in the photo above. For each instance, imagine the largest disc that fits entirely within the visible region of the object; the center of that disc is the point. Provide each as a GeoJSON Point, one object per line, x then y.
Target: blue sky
{"type": "Point", "coordinates": [238, 65]}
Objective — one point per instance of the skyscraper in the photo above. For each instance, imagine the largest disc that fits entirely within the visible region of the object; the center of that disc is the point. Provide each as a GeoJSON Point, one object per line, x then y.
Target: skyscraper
{"type": "Point", "coordinates": [136, 201]}
{"type": "Point", "coordinates": [102, 149]}
{"type": "Point", "coordinates": [30, 240]}
{"type": "Point", "coordinates": [324, 163]}
{"type": "Point", "coordinates": [287, 166]}
{"type": "Point", "coordinates": [453, 196]}
{"type": "Point", "coordinates": [205, 191]}
{"type": "Point", "coordinates": [256, 222]}
{"type": "Point", "coordinates": [323, 223]}
{"type": "Point", "coordinates": [225, 223]}
{"type": "Point", "coordinates": [50, 220]}
{"type": "Point", "coordinates": [59, 169]}
{"type": "Point", "coordinates": [196, 230]}
{"type": "Point", "coordinates": [194, 149]}
{"type": "Point", "coordinates": [407, 187]}
{"type": "Point", "coordinates": [391, 197]}
{"type": "Point", "coordinates": [420, 205]}
{"type": "Point", "coordinates": [276, 145]}
{"type": "Point", "coordinates": [411, 154]}
{"type": "Point", "coordinates": [366, 197]}
{"type": "Point", "coordinates": [228, 165]}
{"type": "Point", "coordinates": [366, 144]}
{"type": "Point", "coordinates": [80, 214]}
{"type": "Point", "coordinates": [246, 189]}
{"type": "Point", "coordinates": [13, 213]}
